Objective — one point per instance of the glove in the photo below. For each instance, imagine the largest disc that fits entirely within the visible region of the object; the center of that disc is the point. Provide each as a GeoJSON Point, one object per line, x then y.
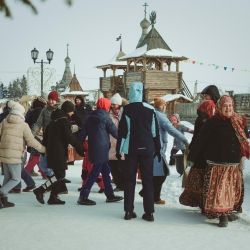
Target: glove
{"type": "Point", "coordinates": [118, 156]}
{"type": "Point", "coordinates": [74, 128]}
{"type": "Point", "coordinates": [158, 154]}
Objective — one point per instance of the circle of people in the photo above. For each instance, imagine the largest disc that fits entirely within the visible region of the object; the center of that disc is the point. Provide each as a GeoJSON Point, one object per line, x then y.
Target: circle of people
{"type": "Point", "coordinates": [124, 138]}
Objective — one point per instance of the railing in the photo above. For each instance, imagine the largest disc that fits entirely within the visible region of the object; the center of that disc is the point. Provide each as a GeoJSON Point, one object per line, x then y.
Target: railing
{"type": "Point", "coordinates": [186, 90]}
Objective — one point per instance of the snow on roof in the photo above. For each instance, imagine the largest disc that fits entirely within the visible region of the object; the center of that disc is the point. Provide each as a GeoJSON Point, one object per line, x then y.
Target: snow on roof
{"type": "Point", "coordinates": [169, 98]}
{"type": "Point", "coordinates": [67, 92]}
{"type": "Point", "coordinates": [142, 51]}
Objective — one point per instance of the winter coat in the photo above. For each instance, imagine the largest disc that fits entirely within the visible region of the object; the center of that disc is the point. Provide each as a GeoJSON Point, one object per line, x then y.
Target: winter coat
{"type": "Point", "coordinates": [217, 142]}
{"type": "Point", "coordinates": [38, 106]}
{"type": "Point", "coordinates": [43, 119]}
{"type": "Point", "coordinates": [179, 145]}
{"type": "Point", "coordinates": [14, 132]}
{"type": "Point", "coordinates": [6, 111]}
{"type": "Point", "coordinates": [113, 141]}
{"type": "Point", "coordinates": [83, 110]}
{"type": "Point", "coordinates": [57, 136]}
{"type": "Point", "coordinates": [200, 162]}
{"type": "Point", "coordinates": [165, 128]}
{"type": "Point", "coordinates": [138, 127]}
{"type": "Point", "coordinates": [98, 126]}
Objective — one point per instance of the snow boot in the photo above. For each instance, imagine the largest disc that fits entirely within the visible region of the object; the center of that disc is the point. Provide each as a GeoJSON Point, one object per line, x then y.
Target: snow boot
{"type": "Point", "coordinates": [5, 202]}
{"type": "Point", "coordinates": [113, 198]}
{"type": "Point", "coordinates": [85, 201]}
{"type": "Point", "coordinates": [1, 196]}
{"type": "Point", "coordinates": [148, 217]}
{"type": "Point", "coordinates": [233, 217]}
{"type": "Point", "coordinates": [39, 192]}
{"type": "Point", "coordinates": [223, 221]}
{"type": "Point", "coordinates": [55, 200]}
{"type": "Point", "coordinates": [130, 215]}
{"type": "Point", "coordinates": [27, 189]}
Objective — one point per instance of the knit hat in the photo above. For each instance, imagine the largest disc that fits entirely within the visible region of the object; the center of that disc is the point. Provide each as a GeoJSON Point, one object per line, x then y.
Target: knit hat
{"type": "Point", "coordinates": [103, 103]}
{"type": "Point", "coordinates": [175, 117]}
{"type": "Point", "coordinates": [158, 102]}
{"type": "Point", "coordinates": [16, 106]}
{"type": "Point", "coordinates": [41, 99]}
{"type": "Point", "coordinates": [116, 99]}
{"type": "Point", "coordinates": [53, 95]}
{"type": "Point", "coordinates": [68, 106]}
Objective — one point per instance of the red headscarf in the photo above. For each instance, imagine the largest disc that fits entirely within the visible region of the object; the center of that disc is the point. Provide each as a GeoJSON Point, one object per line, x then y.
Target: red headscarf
{"type": "Point", "coordinates": [103, 103]}
{"type": "Point", "coordinates": [238, 123]}
{"type": "Point", "coordinates": [207, 107]}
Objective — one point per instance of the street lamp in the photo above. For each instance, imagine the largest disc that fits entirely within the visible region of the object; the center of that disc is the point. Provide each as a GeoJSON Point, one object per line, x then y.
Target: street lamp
{"type": "Point", "coordinates": [34, 56]}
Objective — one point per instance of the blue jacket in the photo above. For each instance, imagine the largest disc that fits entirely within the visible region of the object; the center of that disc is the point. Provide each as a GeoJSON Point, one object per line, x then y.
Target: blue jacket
{"type": "Point", "coordinates": [98, 126]}
{"type": "Point", "coordinates": [165, 128]}
{"type": "Point", "coordinates": [138, 127]}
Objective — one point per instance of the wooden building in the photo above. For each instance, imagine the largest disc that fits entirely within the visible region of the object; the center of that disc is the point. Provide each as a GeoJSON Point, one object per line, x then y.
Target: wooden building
{"type": "Point", "coordinates": [151, 63]}
{"type": "Point", "coordinates": [73, 90]}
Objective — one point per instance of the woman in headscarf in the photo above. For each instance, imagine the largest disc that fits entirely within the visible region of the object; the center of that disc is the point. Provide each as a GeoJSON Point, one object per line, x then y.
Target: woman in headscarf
{"type": "Point", "coordinates": [211, 92]}
{"type": "Point", "coordinates": [223, 139]}
{"type": "Point", "coordinates": [193, 193]}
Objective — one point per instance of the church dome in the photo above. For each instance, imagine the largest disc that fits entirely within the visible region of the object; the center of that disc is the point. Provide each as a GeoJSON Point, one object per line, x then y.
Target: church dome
{"type": "Point", "coordinates": [145, 23]}
{"type": "Point", "coordinates": [67, 60]}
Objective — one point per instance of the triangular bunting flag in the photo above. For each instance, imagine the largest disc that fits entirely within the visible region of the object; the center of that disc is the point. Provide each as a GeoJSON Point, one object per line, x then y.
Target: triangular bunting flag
{"type": "Point", "coordinates": [217, 67]}
{"type": "Point", "coordinates": [225, 68]}
{"type": "Point", "coordinates": [193, 62]}
{"type": "Point", "coordinates": [232, 69]}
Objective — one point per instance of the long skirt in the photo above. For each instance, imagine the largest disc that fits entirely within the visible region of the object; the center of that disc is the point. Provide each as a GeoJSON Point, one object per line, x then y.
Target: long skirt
{"type": "Point", "coordinates": [192, 195]}
{"type": "Point", "coordinates": [223, 190]}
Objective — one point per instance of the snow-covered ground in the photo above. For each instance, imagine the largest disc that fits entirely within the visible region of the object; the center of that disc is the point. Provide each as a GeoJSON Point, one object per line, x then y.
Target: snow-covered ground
{"type": "Point", "coordinates": [30, 225]}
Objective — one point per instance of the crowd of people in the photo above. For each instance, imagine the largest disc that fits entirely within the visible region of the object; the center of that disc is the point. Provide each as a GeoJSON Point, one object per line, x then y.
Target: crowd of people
{"type": "Point", "coordinates": [120, 138]}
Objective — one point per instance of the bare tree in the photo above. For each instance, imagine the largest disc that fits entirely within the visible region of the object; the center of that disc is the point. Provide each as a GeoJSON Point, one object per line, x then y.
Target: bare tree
{"type": "Point", "coordinates": [5, 8]}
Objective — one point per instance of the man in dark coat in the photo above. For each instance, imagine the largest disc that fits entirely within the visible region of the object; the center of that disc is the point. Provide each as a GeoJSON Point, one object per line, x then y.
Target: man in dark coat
{"type": "Point", "coordinates": [82, 109]}
{"type": "Point", "coordinates": [139, 140]}
{"type": "Point", "coordinates": [211, 92]}
{"type": "Point", "coordinates": [57, 136]}
{"type": "Point", "coordinates": [98, 127]}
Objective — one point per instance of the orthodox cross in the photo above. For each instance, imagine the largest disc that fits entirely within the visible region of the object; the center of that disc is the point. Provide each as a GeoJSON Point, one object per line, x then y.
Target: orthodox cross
{"type": "Point", "coordinates": [145, 11]}
{"type": "Point", "coordinates": [67, 49]}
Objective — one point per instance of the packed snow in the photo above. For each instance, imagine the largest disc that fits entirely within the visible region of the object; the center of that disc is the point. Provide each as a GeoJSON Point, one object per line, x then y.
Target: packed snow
{"type": "Point", "coordinates": [30, 225]}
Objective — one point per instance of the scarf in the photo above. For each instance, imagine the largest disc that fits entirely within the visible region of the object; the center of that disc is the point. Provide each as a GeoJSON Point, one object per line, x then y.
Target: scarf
{"type": "Point", "coordinates": [238, 123]}
{"type": "Point", "coordinates": [207, 107]}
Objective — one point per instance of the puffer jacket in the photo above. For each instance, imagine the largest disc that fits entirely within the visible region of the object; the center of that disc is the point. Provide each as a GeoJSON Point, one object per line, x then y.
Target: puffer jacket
{"type": "Point", "coordinates": [14, 132]}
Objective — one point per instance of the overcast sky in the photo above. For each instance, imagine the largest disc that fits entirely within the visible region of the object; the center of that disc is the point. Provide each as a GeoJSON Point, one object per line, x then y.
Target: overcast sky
{"type": "Point", "coordinates": [211, 32]}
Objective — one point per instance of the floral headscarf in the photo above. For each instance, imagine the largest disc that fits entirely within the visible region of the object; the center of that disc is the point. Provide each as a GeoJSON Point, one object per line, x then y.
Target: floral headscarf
{"type": "Point", "coordinates": [238, 123]}
{"type": "Point", "coordinates": [207, 107]}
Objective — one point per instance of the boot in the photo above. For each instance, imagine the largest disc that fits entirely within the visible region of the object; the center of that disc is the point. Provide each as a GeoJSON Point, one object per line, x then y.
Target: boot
{"type": "Point", "coordinates": [39, 192]}
{"type": "Point", "coordinates": [101, 191]}
{"type": "Point", "coordinates": [148, 217]}
{"type": "Point", "coordinates": [55, 200]}
{"type": "Point", "coordinates": [223, 221]}
{"type": "Point", "coordinates": [130, 215]}
{"type": "Point", "coordinates": [6, 203]}
{"type": "Point", "coordinates": [85, 201]}
{"type": "Point", "coordinates": [27, 189]}
{"type": "Point", "coordinates": [233, 217]}
{"type": "Point", "coordinates": [113, 198]}
{"type": "Point", "coordinates": [1, 196]}
{"type": "Point", "coordinates": [160, 202]}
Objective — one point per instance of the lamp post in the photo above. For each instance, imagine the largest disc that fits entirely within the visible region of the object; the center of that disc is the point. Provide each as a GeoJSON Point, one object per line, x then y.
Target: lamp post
{"type": "Point", "coordinates": [34, 56]}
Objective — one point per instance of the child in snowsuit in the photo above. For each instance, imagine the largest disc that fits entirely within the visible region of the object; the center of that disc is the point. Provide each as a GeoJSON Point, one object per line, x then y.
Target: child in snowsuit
{"type": "Point", "coordinates": [178, 145]}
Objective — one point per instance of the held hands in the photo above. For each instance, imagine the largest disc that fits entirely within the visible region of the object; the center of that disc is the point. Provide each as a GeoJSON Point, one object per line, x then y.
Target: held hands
{"type": "Point", "coordinates": [118, 156]}
{"type": "Point", "coordinates": [74, 128]}
{"type": "Point", "coordinates": [158, 154]}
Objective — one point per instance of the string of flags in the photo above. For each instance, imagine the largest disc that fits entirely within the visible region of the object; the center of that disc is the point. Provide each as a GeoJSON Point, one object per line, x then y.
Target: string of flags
{"type": "Point", "coordinates": [215, 66]}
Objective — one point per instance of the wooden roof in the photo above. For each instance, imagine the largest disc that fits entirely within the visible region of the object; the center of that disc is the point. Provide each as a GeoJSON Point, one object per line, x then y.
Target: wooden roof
{"type": "Point", "coordinates": [75, 85]}
{"type": "Point", "coordinates": [154, 41]}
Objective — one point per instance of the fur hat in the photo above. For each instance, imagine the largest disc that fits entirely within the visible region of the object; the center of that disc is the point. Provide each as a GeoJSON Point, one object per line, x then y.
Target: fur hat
{"type": "Point", "coordinates": [68, 106]}
{"type": "Point", "coordinates": [124, 102]}
{"type": "Point", "coordinates": [158, 102]}
{"type": "Point", "coordinates": [116, 99]}
{"type": "Point", "coordinates": [53, 95]}
{"type": "Point", "coordinates": [16, 106]}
